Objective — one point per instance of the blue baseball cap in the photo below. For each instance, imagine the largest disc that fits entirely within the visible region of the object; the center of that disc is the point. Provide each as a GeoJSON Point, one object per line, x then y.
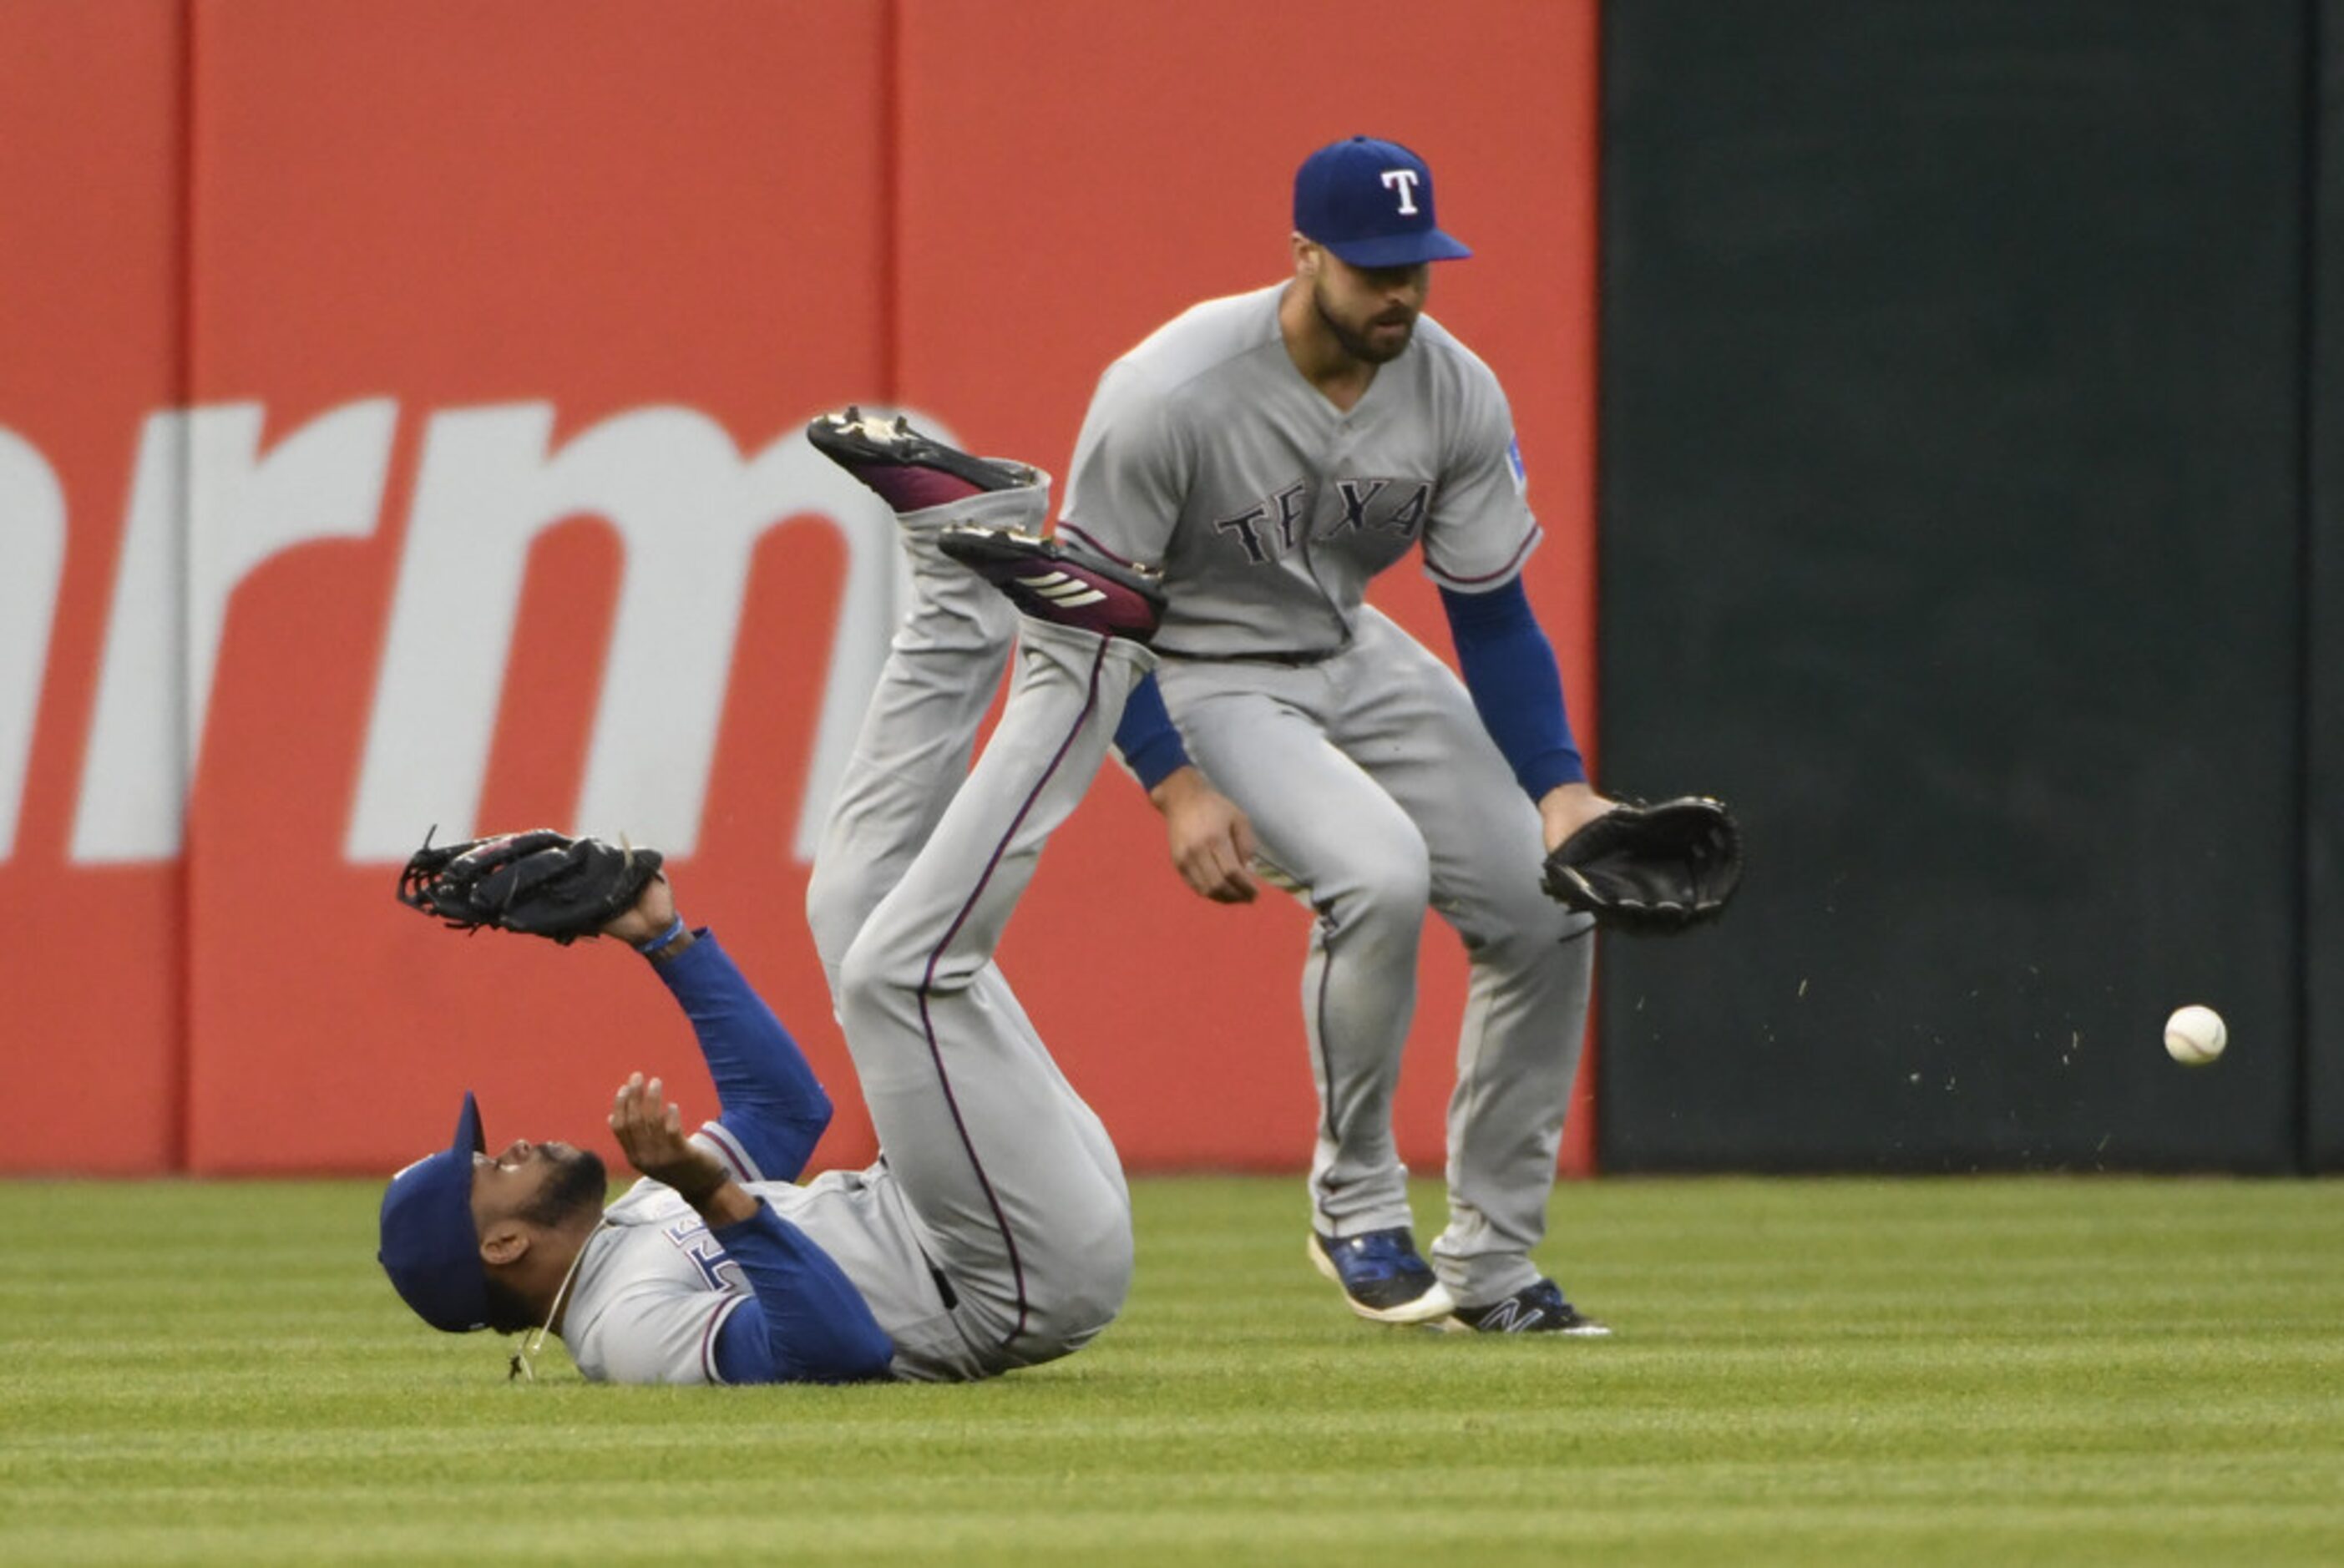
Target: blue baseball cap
{"type": "Point", "coordinates": [1370, 203]}
{"type": "Point", "coordinates": [430, 1247]}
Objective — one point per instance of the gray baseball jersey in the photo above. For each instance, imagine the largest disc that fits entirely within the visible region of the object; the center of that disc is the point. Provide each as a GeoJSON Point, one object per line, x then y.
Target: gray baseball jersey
{"type": "Point", "coordinates": [1373, 789]}
{"type": "Point", "coordinates": [654, 1288]}
{"type": "Point", "coordinates": [1268, 509]}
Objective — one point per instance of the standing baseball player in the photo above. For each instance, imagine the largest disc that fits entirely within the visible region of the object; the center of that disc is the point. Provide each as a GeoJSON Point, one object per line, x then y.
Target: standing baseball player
{"type": "Point", "coordinates": [994, 1231]}
{"type": "Point", "coordinates": [1270, 453]}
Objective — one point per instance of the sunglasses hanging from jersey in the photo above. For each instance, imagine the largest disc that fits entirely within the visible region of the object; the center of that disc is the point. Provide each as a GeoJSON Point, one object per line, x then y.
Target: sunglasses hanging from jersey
{"type": "Point", "coordinates": [523, 1367]}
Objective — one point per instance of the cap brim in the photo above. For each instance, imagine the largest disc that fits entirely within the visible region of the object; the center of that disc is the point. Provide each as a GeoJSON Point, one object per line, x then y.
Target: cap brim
{"type": "Point", "coordinates": [469, 1139]}
{"type": "Point", "coordinates": [1402, 249]}
{"type": "Point", "coordinates": [430, 1247]}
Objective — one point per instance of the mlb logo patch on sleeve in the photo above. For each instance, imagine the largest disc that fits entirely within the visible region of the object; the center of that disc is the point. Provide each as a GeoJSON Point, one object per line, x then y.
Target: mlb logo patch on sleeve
{"type": "Point", "coordinates": [1514, 461]}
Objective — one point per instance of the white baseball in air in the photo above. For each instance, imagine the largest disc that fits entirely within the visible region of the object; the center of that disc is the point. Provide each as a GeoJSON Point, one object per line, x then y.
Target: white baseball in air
{"type": "Point", "coordinates": [2195, 1035]}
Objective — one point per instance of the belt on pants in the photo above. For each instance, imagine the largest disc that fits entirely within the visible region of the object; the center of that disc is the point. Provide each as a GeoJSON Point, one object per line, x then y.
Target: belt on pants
{"type": "Point", "coordinates": [1290, 660]}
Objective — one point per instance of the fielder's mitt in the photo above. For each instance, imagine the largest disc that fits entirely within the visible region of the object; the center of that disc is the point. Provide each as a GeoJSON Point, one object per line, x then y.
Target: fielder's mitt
{"type": "Point", "coordinates": [540, 883]}
{"type": "Point", "coordinates": [1649, 868]}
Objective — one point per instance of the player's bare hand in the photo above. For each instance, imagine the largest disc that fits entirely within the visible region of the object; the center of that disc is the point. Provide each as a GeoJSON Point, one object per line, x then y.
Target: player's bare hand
{"type": "Point", "coordinates": [654, 912]}
{"type": "Point", "coordinates": [651, 1132]}
{"type": "Point", "coordinates": [1211, 839]}
{"type": "Point", "coordinates": [1566, 809]}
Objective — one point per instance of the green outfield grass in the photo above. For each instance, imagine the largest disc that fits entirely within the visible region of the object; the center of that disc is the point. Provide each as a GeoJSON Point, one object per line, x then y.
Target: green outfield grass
{"type": "Point", "coordinates": [1949, 1372]}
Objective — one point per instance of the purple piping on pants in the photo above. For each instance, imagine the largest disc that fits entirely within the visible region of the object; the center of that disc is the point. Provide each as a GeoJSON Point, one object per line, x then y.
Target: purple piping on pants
{"type": "Point", "coordinates": [927, 984]}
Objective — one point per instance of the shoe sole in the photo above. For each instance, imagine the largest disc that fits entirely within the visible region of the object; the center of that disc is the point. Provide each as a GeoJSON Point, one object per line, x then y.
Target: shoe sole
{"type": "Point", "coordinates": [1055, 585]}
{"type": "Point", "coordinates": [849, 438]}
{"type": "Point", "coordinates": [1585, 1329]}
{"type": "Point", "coordinates": [1429, 1308]}
{"type": "Point", "coordinates": [1583, 1332]}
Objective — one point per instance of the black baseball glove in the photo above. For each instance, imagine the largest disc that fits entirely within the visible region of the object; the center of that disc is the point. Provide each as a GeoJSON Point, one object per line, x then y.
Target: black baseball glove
{"type": "Point", "coordinates": [1650, 869]}
{"type": "Point", "coordinates": [540, 883]}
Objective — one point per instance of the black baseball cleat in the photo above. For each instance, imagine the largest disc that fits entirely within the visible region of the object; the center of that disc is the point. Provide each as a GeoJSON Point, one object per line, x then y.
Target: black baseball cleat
{"type": "Point", "coordinates": [910, 472]}
{"type": "Point", "coordinates": [1537, 1308]}
{"type": "Point", "coordinates": [1383, 1277]}
{"type": "Point", "coordinates": [1064, 583]}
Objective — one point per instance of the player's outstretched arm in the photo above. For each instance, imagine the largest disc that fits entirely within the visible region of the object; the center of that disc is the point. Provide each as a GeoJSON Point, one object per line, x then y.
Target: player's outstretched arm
{"type": "Point", "coordinates": [773, 1105]}
{"type": "Point", "coordinates": [773, 1108]}
{"type": "Point", "coordinates": [1510, 668]}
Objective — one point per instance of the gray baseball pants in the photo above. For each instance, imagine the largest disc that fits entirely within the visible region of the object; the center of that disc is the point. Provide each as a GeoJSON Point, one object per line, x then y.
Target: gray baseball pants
{"type": "Point", "coordinates": [1012, 1181]}
{"type": "Point", "coordinates": [1375, 792]}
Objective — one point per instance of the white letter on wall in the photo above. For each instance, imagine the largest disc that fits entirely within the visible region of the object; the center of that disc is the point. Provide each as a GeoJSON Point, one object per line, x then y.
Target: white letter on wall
{"type": "Point", "coordinates": [31, 567]}
{"type": "Point", "coordinates": [206, 509]}
{"type": "Point", "coordinates": [689, 509]}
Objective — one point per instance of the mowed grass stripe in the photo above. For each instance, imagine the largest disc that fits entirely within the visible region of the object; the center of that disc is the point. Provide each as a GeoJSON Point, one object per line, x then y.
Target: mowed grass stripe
{"type": "Point", "coordinates": [1943, 1370]}
{"type": "Point", "coordinates": [746, 1522]}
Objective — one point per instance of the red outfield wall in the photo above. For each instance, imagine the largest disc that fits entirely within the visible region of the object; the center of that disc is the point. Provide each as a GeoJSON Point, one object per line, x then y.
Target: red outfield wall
{"type": "Point", "coordinates": [398, 426]}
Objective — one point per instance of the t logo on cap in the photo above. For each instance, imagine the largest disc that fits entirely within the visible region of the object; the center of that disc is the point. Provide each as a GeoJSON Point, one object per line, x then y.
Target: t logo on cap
{"type": "Point", "coordinates": [1344, 199]}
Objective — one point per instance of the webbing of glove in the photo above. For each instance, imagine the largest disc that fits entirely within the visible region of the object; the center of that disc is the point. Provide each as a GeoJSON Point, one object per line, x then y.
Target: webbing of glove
{"type": "Point", "coordinates": [1650, 869]}
{"type": "Point", "coordinates": [540, 883]}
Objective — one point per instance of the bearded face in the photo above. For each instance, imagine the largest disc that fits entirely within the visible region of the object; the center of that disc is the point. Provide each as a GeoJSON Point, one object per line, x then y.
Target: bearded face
{"type": "Point", "coordinates": [578, 1182]}
{"type": "Point", "coordinates": [1370, 311]}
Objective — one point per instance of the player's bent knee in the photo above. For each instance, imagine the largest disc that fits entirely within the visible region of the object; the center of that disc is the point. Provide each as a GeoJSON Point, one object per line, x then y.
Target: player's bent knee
{"type": "Point", "coordinates": [883, 962]}
{"type": "Point", "coordinates": [1543, 943]}
{"type": "Point", "coordinates": [1392, 891]}
{"type": "Point", "coordinates": [894, 957]}
{"type": "Point", "coordinates": [838, 902]}
{"type": "Point", "coordinates": [1530, 930]}
{"type": "Point", "coordinates": [874, 968]}
{"type": "Point", "coordinates": [1086, 1288]}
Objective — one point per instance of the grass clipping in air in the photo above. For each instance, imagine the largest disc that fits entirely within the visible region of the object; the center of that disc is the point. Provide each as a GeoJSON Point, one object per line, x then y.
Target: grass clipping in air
{"type": "Point", "coordinates": [1916, 1372]}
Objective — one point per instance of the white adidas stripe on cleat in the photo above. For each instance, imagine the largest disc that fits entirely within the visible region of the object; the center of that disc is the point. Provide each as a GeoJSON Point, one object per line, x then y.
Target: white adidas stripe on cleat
{"type": "Point", "coordinates": [1060, 589]}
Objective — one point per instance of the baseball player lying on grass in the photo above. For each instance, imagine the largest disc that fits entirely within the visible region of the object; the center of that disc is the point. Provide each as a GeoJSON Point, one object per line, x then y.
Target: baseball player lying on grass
{"type": "Point", "coordinates": [994, 1231]}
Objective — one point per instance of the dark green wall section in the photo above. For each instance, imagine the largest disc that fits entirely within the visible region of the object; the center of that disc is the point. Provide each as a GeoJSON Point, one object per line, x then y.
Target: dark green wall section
{"type": "Point", "coordinates": [1953, 510]}
{"type": "Point", "coordinates": [2324, 827]}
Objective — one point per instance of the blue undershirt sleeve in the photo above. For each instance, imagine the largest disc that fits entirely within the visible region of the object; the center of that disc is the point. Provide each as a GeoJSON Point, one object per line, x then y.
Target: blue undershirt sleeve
{"type": "Point", "coordinates": [1509, 666]}
{"type": "Point", "coordinates": [806, 1323]}
{"type": "Point", "coordinates": [1150, 745]}
{"type": "Point", "coordinates": [772, 1103]}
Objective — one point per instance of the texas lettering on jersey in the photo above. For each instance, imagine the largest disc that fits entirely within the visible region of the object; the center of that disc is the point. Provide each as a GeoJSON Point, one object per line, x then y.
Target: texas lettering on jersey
{"type": "Point", "coordinates": [1269, 529]}
{"type": "Point", "coordinates": [690, 1235]}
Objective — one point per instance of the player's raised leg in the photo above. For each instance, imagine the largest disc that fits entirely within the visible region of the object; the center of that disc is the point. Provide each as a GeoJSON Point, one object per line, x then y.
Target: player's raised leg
{"type": "Point", "coordinates": [944, 664]}
{"type": "Point", "coordinates": [1011, 1175]}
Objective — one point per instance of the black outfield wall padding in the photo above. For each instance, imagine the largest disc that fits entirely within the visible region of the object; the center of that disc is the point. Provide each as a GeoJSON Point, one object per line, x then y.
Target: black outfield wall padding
{"type": "Point", "coordinates": [1952, 499]}
{"type": "Point", "coordinates": [2324, 666]}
